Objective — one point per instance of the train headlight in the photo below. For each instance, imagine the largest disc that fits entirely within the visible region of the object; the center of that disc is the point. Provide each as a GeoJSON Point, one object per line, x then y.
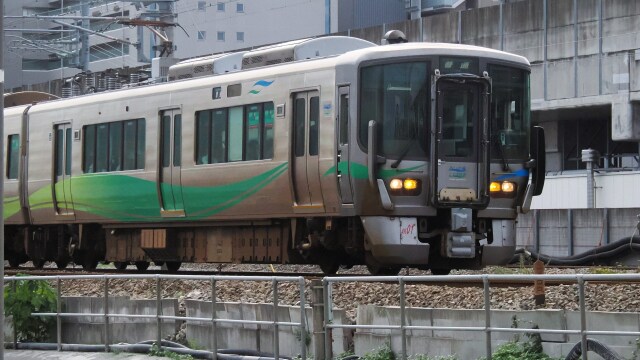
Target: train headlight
{"type": "Point", "coordinates": [410, 184]}
{"type": "Point", "coordinates": [502, 188]}
{"type": "Point", "coordinates": [508, 187]}
{"type": "Point", "coordinates": [396, 184]}
{"type": "Point", "coordinates": [406, 187]}
{"type": "Point", "coordinates": [495, 187]}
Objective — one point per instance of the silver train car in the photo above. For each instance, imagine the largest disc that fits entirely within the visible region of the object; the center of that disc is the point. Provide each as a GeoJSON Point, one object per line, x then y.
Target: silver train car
{"type": "Point", "coordinates": [330, 151]}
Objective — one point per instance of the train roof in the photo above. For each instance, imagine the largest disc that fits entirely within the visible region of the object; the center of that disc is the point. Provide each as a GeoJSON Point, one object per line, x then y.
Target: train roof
{"type": "Point", "coordinates": [428, 48]}
{"type": "Point", "coordinates": [301, 66]}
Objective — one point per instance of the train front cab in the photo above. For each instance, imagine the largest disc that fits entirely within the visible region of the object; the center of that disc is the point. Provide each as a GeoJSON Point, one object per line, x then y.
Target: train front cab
{"type": "Point", "coordinates": [445, 143]}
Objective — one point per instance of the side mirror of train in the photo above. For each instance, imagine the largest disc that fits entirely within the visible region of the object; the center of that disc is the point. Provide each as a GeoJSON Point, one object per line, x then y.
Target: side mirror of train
{"type": "Point", "coordinates": [538, 154]}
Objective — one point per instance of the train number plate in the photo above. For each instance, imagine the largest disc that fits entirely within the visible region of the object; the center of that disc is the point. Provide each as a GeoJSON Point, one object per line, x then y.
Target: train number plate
{"type": "Point", "coordinates": [408, 229]}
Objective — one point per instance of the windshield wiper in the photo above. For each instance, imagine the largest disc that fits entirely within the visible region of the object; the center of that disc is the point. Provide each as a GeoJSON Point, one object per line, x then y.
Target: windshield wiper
{"type": "Point", "coordinates": [404, 153]}
{"type": "Point", "coordinates": [500, 150]}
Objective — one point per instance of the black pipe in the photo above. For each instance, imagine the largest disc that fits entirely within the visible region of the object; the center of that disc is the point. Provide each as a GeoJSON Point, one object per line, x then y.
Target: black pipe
{"type": "Point", "coordinates": [145, 346]}
{"type": "Point", "coordinates": [593, 345]}
{"type": "Point", "coordinates": [598, 255]}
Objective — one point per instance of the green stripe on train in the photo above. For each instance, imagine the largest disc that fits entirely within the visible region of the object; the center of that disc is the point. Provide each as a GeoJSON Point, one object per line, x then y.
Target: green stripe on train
{"type": "Point", "coordinates": [127, 198]}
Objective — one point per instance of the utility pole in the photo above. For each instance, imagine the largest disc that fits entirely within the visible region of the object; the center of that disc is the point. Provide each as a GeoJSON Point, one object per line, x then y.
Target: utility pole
{"type": "Point", "coordinates": [2, 182]}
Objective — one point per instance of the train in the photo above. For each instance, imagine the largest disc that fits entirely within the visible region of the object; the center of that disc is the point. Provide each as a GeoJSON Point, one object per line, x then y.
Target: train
{"type": "Point", "coordinates": [332, 151]}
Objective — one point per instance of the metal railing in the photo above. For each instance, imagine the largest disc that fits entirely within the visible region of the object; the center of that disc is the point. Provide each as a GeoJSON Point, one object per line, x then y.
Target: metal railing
{"type": "Point", "coordinates": [487, 328]}
{"type": "Point", "coordinates": [159, 317]}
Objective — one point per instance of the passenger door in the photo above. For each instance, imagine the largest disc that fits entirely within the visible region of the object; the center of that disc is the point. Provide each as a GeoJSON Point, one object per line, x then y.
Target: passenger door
{"type": "Point", "coordinates": [170, 163]}
{"type": "Point", "coordinates": [305, 149]}
{"type": "Point", "coordinates": [62, 140]}
{"type": "Point", "coordinates": [462, 160]}
{"type": "Point", "coordinates": [343, 170]}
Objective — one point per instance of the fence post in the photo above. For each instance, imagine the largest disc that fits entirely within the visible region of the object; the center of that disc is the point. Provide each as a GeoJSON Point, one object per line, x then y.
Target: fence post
{"type": "Point", "coordinates": [326, 286]}
{"type": "Point", "coordinates": [13, 319]}
{"type": "Point", "coordinates": [303, 322]}
{"type": "Point", "coordinates": [214, 328]}
{"type": "Point", "coordinates": [403, 317]}
{"type": "Point", "coordinates": [317, 299]}
{"type": "Point", "coordinates": [276, 328]}
{"type": "Point", "coordinates": [106, 315]}
{"type": "Point", "coordinates": [487, 314]}
{"type": "Point", "coordinates": [159, 311]}
{"type": "Point", "coordinates": [58, 311]}
{"type": "Point", "coordinates": [583, 317]}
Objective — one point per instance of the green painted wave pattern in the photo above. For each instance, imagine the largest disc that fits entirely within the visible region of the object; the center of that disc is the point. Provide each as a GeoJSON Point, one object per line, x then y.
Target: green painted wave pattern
{"type": "Point", "coordinates": [127, 198]}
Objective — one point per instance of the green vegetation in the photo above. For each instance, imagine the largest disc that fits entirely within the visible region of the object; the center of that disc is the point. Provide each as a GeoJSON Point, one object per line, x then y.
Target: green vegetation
{"type": "Point", "coordinates": [27, 297]}
{"type": "Point", "coordinates": [382, 353]}
{"type": "Point", "coordinates": [157, 351]}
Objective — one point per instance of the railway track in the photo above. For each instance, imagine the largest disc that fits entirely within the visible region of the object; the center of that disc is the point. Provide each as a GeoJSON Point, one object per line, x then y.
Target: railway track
{"type": "Point", "coordinates": [456, 283]}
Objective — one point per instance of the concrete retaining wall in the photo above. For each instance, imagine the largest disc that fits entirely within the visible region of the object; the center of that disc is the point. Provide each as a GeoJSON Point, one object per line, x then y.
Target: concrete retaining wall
{"type": "Point", "coordinates": [258, 337]}
{"type": "Point", "coordinates": [471, 344]}
{"type": "Point", "coordinates": [90, 330]}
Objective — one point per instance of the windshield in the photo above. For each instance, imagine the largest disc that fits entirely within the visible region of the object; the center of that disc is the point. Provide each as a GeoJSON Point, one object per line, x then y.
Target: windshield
{"type": "Point", "coordinates": [510, 113]}
{"type": "Point", "coordinates": [396, 96]}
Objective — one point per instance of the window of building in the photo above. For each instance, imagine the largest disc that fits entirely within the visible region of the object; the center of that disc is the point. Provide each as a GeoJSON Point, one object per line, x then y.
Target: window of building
{"type": "Point", "coordinates": [220, 35]}
{"type": "Point", "coordinates": [114, 146]}
{"type": "Point", "coordinates": [220, 6]}
{"type": "Point", "coordinates": [13, 156]}
{"type": "Point", "coordinates": [202, 5]}
{"type": "Point", "coordinates": [240, 36]}
{"type": "Point", "coordinates": [240, 7]}
{"type": "Point", "coordinates": [202, 35]}
{"type": "Point", "coordinates": [239, 133]}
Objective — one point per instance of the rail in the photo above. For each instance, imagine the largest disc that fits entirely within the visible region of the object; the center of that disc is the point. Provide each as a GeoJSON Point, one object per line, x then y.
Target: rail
{"type": "Point", "coordinates": [579, 279]}
{"type": "Point", "coordinates": [159, 317]}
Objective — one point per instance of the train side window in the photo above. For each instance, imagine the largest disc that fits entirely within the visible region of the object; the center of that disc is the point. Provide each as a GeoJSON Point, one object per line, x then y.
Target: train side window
{"type": "Point", "coordinates": [216, 93]}
{"type": "Point", "coordinates": [130, 149]}
{"type": "Point", "coordinates": [267, 131]}
{"type": "Point", "coordinates": [67, 163]}
{"type": "Point", "coordinates": [102, 139]}
{"type": "Point", "coordinates": [235, 133]}
{"type": "Point", "coordinates": [203, 129]}
{"type": "Point", "coordinates": [59, 151]}
{"type": "Point", "coordinates": [140, 144]}
{"type": "Point", "coordinates": [314, 124]}
{"type": "Point", "coordinates": [13, 156]}
{"type": "Point", "coordinates": [89, 149]}
{"type": "Point", "coordinates": [112, 146]}
{"type": "Point", "coordinates": [177, 140]}
{"type": "Point", "coordinates": [234, 90]}
{"type": "Point", "coordinates": [219, 130]}
{"type": "Point", "coordinates": [115, 146]}
{"type": "Point", "coordinates": [344, 119]}
{"type": "Point", "coordinates": [253, 131]}
{"type": "Point", "coordinates": [298, 126]}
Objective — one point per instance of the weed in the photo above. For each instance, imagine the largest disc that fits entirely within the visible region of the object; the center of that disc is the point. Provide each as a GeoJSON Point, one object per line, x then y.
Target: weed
{"type": "Point", "coordinates": [383, 353]}
{"type": "Point", "coordinates": [157, 351]}
{"type": "Point", "coordinates": [25, 298]}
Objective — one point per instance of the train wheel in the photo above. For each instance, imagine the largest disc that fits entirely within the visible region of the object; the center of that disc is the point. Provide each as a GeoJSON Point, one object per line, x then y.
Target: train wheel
{"type": "Point", "coordinates": [375, 268]}
{"type": "Point", "coordinates": [89, 264]}
{"type": "Point", "coordinates": [440, 271]}
{"type": "Point", "coordinates": [62, 264]}
{"type": "Point", "coordinates": [329, 267]}
{"type": "Point", "coordinates": [173, 266]}
{"type": "Point", "coordinates": [38, 264]}
{"type": "Point", "coordinates": [120, 265]}
{"type": "Point", "coordinates": [14, 261]}
{"type": "Point", "coordinates": [383, 271]}
{"type": "Point", "coordinates": [142, 265]}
